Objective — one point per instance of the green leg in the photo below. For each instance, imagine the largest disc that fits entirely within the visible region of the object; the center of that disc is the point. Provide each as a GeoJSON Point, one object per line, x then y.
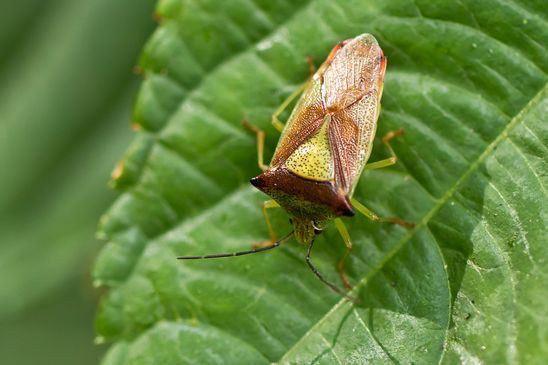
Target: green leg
{"type": "Point", "coordinates": [340, 266]}
{"type": "Point", "coordinates": [276, 122]}
{"type": "Point", "coordinates": [374, 217]}
{"type": "Point", "coordinates": [260, 143]}
{"type": "Point", "coordinates": [393, 158]}
{"type": "Point", "coordinates": [273, 238]}
{"type": "Point", "coordinates": [311, 67]}
{"type": "Point", "coordinates": [377, 165]}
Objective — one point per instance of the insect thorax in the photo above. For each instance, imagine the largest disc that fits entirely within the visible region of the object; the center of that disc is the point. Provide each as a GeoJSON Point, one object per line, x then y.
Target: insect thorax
{"type": "Point", "coordinates": [316, 201]}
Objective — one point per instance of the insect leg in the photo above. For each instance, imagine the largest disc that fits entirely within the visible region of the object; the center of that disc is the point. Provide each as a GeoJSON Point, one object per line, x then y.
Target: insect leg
{"type": "Point", "coordinates": [276, 122]}
{"type": "Point", "coordinates": [346, 238]}
{"type": "Point", "coordinates": [311, 67]}
{"type": "Point", "coordinates": [260, 142]}
{"type": "Point", "coordinates": [393, 158]}
{"type": "Point", "coordinates": [374, 217]}
{"type": "Point", "coordinates": [322, 279]}
{"type": "Point", "coordinates": [273, 238]}
{"type": "Point", "coordinates": [238, 253]}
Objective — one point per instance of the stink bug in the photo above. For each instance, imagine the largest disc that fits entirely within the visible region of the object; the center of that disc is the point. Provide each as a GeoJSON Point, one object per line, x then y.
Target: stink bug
{"type": "Point", "coordinates": [323, 149]}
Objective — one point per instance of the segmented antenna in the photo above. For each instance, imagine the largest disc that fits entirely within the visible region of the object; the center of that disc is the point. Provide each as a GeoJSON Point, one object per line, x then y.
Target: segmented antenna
{"type": "Point", "coordinates": [240, 253]}
{"type": "Point", "coordinates": [333, 287]}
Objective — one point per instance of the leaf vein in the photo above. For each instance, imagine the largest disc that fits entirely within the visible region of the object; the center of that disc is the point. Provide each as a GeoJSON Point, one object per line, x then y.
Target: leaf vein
{"type": "Point", "coordinates": [518, 118]}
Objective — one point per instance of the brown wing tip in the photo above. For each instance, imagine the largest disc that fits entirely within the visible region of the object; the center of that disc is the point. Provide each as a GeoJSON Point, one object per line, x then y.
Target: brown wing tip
{"type": "Point", "coordinates": [345, 209]}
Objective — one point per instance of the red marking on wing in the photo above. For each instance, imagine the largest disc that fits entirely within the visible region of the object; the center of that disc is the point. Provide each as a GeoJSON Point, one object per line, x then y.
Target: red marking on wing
{"type": "Point", "coordinates": [306, 124]}
{"type": "Point", "coordinates": [344, 142]}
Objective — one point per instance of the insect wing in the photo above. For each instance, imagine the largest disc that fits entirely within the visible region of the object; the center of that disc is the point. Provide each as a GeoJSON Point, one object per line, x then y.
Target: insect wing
{"type": "Point", "coordinates": [354, 72]}
{"type": "Point", "coordinates": [347, 88]}
{"type": "Point", "coordinates": [305, 120]}
{"type": "Point", "coordinates": [351, 134]}
{"type": "Point", "coordinates": [351, 89]}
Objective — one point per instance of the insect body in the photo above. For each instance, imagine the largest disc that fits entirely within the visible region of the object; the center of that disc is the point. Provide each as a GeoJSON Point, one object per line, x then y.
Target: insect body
{"type": "Point", "coordinates": [328, 138]}
{"type": "Point", "coordinates": [324, 147]}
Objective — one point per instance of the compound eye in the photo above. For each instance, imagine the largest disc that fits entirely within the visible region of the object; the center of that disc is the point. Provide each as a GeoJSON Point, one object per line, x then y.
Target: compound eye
{"type": "Point", "coordinates": [317, 229]}
{"type": "Point", "coordinates": [290, 221]}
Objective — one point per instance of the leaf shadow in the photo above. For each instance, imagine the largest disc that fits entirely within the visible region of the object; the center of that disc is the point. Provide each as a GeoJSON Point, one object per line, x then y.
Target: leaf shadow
{"type": "Point", "coordinates": [413, 292]}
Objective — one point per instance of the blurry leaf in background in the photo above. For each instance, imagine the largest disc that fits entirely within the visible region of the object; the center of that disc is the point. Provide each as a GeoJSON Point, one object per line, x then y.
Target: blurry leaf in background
{"type": "Point", "coordinates": [66, 88]}
{"type": "Point", "coordinates": [467, 81]}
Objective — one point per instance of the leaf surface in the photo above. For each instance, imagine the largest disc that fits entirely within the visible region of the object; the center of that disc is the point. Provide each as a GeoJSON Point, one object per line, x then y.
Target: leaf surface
{"type": "Point", "coordinates": [467, 82]}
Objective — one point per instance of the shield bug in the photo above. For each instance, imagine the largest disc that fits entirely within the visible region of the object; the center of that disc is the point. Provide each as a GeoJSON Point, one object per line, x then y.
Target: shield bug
{"type": "Point", "coordinates": [323, 149]}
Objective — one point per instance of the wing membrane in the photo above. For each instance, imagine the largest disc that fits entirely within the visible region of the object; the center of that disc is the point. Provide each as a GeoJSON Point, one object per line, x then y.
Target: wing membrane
{"type": "Point", "coordinates": [304, 122]}
{"type": "Point", "coordinates": [347, 87]}
{"type": "Point", "coordinates": [353, 72]}
{"type": "Point", "coordinates": [351, 135]}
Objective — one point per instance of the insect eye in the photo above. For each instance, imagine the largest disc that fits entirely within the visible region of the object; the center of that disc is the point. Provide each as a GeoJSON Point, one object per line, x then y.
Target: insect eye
{"type": "Point", "coordinates": [290, 221]}
{"type": "Point", "coordinates": [317, 228]}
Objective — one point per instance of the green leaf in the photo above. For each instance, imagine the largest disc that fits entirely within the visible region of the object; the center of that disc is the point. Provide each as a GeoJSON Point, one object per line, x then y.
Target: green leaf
{"type": "Point", "coordinates": [468, 83]}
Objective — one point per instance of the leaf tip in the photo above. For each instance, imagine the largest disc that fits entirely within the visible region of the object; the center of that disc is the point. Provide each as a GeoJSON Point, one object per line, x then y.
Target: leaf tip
{"type": "Point", "coordinates": [101, 233]}
{"type": "Point", "coordinates": [158, 18]}
{"type": "Point", "coordinates": [138, 70]}
{"type": "Point", "coordinates": [118, 171]}
{"type": "Point", "coordinates": [136, 126]}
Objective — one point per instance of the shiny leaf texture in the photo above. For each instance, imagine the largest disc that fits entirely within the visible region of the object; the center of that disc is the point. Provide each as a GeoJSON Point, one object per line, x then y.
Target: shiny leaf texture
{"type": "Point", "coordinates": [467, 82]}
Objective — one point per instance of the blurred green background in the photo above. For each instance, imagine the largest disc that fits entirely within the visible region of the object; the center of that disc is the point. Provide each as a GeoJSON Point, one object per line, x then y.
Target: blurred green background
{"type": "Point", "coordinates": [66, 91]}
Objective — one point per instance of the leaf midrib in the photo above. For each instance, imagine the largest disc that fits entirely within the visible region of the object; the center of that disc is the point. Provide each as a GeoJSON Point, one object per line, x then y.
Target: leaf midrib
{"type": "Point", "coordinates": [426, 218]}
{"type": "Point", "coordinates": [517, 119]}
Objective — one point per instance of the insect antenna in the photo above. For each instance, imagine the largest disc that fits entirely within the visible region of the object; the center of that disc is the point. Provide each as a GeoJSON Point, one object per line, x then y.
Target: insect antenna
{"type": "Point", "coordinates": [333, 287]}
{"type": "Point", "coordinates": [240, 253]}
